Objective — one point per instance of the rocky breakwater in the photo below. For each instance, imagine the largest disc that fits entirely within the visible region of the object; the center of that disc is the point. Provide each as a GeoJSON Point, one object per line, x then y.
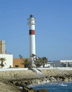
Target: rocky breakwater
{"type": "Point", "coordinates": [26, 78]}
{"type": "Point", "coordinates": [18, 75]}
{"type": "Point", "coordinates": [58, 75]}
{"type": "Point", "coordinates": [17, 78]}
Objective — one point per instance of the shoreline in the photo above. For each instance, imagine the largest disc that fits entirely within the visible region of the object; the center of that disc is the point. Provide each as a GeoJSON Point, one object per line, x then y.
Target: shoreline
{"type": "Point", "coordinates": [50, 82]}
{"type": "Point", "coordinates": [24, 76]}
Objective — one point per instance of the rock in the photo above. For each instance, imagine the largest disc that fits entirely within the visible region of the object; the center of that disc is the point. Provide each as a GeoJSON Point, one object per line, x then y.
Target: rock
{"type": "Point", "coordinates": [53, 79]}
{"type": "Point", "coordinates": [58, 79]}
{"type": "Point", "coordinates": [24, 90]}
{"type": "Point", "coordinates": [27, 83]}
{"type": "Point", "coordinates": [28, 90]}
{"type": "Point", "coordinates": [70, 79]}
{"type": "Point", "coordinates": [42, 90]}
{"type": "Point", "coordinates": [66, 79]}
{"type": "Point", "coordinates": [11, 82]}
{"type": "Point", "coordinates": [35, 81]}
{"type": "Point", "coordinates": [46, 77]}
{"type": "Point", "coordinates": [32, 89]}
{"type": "Point", "coordinates": [48, 81]}
{"type": "Point", "coordinates": [16, 84]}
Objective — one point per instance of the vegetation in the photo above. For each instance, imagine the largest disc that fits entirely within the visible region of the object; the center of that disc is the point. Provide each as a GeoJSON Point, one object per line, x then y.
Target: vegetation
{"type": "Point", "coordinates": [26, 62]}
{"type": "Point", "coordinates": [10, 66]}
{"type": "Point", "coordinates": [2, 60]}
{"type": "Point", "coordinates": [20, 57]}
{"type": "Point", "coordinates": [37, 61]}
{"type": "Point", "coordinates": [44, 61]}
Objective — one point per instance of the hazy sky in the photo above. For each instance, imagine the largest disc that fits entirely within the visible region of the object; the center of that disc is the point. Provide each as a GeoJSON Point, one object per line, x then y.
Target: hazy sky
{"type": "Point", "coordinates": [53, 31]}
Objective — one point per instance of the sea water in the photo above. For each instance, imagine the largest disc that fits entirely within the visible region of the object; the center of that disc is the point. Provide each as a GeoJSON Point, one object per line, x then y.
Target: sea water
{"type": "Point", "coordinates": [55, 87]}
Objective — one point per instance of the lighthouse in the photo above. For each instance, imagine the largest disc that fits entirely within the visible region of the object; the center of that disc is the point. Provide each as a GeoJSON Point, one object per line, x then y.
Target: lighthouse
{"type": "Point", "coordinates": [32, 45]}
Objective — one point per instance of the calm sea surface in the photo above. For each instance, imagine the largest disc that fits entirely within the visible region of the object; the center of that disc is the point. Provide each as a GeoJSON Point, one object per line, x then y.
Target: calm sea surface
{"type": "Point", "coordinates": [55, 87]}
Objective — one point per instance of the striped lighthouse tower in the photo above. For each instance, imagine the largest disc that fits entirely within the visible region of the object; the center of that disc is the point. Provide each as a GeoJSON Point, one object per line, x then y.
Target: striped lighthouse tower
{"type": "Point", "coordinates": [32, 38]}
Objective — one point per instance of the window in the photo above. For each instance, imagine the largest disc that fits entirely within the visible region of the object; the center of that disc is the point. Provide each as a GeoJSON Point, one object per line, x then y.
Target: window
{"type": "Point", "coordinates": [30, 32]}
{"type": "Point", "coordinates": [16, 65]}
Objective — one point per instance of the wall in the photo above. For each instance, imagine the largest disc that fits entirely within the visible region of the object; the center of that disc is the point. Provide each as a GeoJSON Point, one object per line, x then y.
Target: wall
{"type": "Point", "coordinates": [8, 61]}
{"type": "Point", "coordinates": [51, 64]}
{"type": "Point", "coordinates": [65, 61]}
{"type": "Point", "coordinates": [57, 68]}
{"type": "Point", "coordinates": [57, 63]}
{"type": "Point", "coordinates": [46, 65]}
{"type": "Point", "coordinates": [13, 69]}
{"type": "Point", "coordinates": [3, 47]}
{"type": "Point", "coordinates": [18, 61]}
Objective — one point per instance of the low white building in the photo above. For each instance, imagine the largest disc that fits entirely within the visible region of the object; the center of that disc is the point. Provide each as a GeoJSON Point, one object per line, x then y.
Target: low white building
{"type": "Point", "coordinates": [8, 61]}
{"type": "Point", "coordinates": [66, 62]}
{"type": "Point", "coordinates": [46, 65]}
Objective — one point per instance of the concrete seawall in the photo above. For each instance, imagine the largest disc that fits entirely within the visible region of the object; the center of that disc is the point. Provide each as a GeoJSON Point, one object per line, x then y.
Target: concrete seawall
{"type": "Point", "coordinates": [58, 68]}
{"type": "Point", "coordinates": [24, 74]}
{"type": "Point", "coordinates": [18, 75]}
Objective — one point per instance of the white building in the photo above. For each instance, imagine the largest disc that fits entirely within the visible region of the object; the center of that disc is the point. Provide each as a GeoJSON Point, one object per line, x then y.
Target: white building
{"type": "Point", "coordinates": [67, 62]}
{"type": "Point", "coordinates": [46, 65]}
{"type": "Point", "coordinates": [8, 61]}
{"type": "Point", "coordinates": [3, 54]}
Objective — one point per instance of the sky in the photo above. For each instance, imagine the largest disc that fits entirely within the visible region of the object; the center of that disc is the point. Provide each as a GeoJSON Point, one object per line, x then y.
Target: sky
{"type": "Point", "coordinates": [53, 30]}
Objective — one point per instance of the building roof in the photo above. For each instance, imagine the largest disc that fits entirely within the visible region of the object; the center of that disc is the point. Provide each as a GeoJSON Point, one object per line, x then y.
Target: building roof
{"type": "Point", "coordinates": [65, 61]}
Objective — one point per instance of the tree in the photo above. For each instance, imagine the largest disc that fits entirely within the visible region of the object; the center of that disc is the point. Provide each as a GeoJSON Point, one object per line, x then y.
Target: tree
{"type": "Point", "coordinates": [2, 60]}
{"type": "Point", "coordinates": [26, 62]}
{"type": "Point", "coordinates": [38, 62]}
{"type": "Point", "coordinates": [10, 66]}
{"type": "Point", "coordinates": [20, 56]}
{"type": "Point", "coordinates": [44, 61]}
